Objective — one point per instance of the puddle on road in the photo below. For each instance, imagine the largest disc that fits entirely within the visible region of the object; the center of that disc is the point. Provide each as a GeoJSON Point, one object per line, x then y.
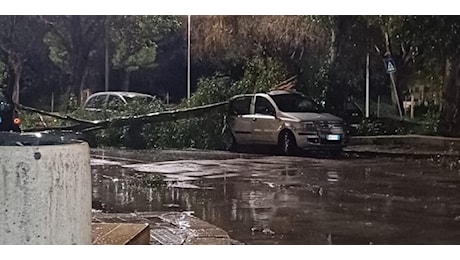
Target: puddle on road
{"type": "Point", "coordinates": [294, 200]}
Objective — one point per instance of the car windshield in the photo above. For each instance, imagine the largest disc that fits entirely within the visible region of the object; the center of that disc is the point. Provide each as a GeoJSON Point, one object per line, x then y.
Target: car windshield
{"type": "Point", "coordinates": [295, 103]}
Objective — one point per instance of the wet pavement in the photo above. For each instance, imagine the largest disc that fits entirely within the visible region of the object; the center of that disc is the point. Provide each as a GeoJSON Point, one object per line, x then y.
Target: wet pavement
{"type": "Point", "coordinates": [264, 199]}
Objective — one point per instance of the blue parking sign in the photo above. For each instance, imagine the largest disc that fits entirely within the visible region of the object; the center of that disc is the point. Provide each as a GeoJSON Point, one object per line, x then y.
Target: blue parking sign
{"type": "Point", "coordinates": [390, 65]}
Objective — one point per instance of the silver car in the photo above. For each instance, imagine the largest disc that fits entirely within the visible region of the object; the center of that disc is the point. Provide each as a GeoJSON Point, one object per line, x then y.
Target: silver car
{"type": "Point", "coordinates": [287, 119]}
{"type": "Point", "coordinates": [99, 101]}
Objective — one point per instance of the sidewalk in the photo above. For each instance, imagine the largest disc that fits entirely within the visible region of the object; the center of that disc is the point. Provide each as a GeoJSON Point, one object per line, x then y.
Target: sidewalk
{"type": "Point", "coordinates": [171, 228]}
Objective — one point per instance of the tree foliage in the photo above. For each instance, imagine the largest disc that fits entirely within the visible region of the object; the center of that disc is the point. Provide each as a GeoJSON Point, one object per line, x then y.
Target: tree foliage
{"type": "Point", "coordinates": [134, 40]}
{"type": "Point", "coordinates": [228, 43]}
{"type": "Point", "coordinates": [72, 42]}
{"type": "Point", "coordinates": [19, 37]}
{"type": "Point", "coordinates": [436, 41]}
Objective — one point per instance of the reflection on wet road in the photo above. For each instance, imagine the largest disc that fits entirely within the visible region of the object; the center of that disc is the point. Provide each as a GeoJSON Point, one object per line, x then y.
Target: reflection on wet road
{"type": "Point", "coordinates": [288, 200]}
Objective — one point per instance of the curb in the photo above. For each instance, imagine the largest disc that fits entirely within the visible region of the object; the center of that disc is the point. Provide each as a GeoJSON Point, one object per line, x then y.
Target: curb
{"type": "Point", "coordinates": [413, 146]}
{"type": "Point", "coordinates": [381, 150]}
{"type": "Point", "coordinates": [430, 142]}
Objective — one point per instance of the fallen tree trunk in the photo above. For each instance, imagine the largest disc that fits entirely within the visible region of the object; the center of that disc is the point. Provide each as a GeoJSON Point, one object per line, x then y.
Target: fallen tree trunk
{"type": "Point", "coordinates": [170, 115]}
{"type": "Point", "coordinates": [154, 117]}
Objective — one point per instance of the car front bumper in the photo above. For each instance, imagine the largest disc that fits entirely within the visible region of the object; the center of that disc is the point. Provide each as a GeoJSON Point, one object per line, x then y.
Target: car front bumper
{"type": "Point", "coordinates": [321, 141]}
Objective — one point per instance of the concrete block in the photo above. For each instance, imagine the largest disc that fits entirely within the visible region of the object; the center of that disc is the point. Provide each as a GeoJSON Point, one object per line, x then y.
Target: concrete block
{"type": "Point", "coordinates": [45, 195]}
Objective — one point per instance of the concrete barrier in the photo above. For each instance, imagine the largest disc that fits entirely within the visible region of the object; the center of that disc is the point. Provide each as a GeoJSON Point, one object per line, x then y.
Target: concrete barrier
{"type": "Point", "coordinates": [45, 193]}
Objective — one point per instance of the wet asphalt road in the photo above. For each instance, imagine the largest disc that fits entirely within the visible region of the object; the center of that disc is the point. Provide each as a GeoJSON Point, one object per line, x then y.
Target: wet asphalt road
{"type": "Point", "coordinates": [263, 199]}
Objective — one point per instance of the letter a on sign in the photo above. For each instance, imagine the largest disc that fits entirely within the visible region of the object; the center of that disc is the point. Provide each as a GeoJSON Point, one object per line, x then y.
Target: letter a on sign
{"type": "Point", "coordinates": [390, 65]}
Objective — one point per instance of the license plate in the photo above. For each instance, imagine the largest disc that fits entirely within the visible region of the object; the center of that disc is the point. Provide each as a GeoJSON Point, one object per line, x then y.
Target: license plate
{"type": "Point", "coordinates": [333, 137]}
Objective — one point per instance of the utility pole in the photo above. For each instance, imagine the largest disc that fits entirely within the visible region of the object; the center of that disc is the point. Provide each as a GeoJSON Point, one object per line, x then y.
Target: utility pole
{"type": "Point", "coordinates": [188, 56]}
{"type": "Point", "coordinates": [367, 85]}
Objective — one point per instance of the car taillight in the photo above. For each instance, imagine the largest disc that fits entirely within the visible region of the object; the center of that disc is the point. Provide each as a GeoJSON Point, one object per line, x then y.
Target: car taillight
{"type": "Point", "coordinates": [16, 121]}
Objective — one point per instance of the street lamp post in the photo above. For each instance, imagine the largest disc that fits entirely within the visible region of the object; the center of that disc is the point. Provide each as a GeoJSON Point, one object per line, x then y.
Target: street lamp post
{"type": "Point", "coordinates": [367, 85]}
{"type": "Point", "coordinates": [106, 49]}
{"type": "Point", "coordinates": [188, 57]}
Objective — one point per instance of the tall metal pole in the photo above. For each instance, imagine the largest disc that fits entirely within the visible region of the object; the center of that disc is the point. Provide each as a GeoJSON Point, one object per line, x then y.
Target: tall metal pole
{"type": "Point", "coordinates": [367, 85]}
{"type": "Point", "coordinates": [107, 70]}
{"type": "Point", "coordinates": [52, 101]}
{"type": "Point", "coordinates": [188, 57]}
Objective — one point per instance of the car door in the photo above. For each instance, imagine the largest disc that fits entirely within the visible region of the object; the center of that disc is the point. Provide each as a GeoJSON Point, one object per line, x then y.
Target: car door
{"type": "Point", "coordinates": [264, 123]}
{"type": "Point", "coordinates": [239, 119]}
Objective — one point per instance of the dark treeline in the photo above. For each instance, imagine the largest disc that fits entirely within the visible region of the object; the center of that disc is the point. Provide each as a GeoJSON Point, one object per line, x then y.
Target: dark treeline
{"type": "Point", "coordinates": [63, 56]}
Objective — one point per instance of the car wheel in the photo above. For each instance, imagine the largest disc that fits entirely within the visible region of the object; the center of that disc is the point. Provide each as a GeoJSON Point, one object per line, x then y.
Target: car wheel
{"type": "Point", "coordinates": [228, 140]}
{"type": "Point", "coordinates": [287, 144]}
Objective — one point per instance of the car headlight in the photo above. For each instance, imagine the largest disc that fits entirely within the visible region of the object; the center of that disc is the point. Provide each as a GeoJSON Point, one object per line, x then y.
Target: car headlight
{"type": "Point", "coordinates": [308, 125]}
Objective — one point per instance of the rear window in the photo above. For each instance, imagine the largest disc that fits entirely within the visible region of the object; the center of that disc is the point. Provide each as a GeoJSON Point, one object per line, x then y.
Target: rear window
{"type": "Point", "coordinates": [96, 101]}
{"type": "Point", "coordinates": [115, 101]}
{"type": "Point", "coordinates": [295, 103]}
{"type": "Point", "coordinates": [240, 106]}
{"type": "Point", "coordinates": [139, 99]}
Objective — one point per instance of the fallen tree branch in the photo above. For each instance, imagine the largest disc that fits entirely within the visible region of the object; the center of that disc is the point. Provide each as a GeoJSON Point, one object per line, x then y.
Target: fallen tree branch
{"type": "Point", "coordinates": [163, 116]}
{"type": "Point", "coordinates": [155, 117]}
{"type": "Point", "coordinates": [66, 117]}
{"type": "Point", "coordinates": [286, 84]}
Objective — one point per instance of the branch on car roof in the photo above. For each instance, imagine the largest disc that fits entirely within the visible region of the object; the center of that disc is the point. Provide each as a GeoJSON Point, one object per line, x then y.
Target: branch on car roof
{"type": "Point", "coordinates": [286, 84]}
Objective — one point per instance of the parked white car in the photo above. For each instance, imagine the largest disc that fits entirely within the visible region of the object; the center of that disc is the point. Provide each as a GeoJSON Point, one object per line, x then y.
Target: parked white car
{"type": "Point", "coordinates": [98, 101]}
{"type": "Point", "coordinates": [287, 119]}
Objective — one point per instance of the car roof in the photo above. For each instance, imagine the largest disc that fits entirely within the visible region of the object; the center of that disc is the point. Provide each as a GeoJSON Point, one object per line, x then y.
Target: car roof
{"type": "Point", "coordinates": [283, 92]}
{"type": "Point", "coordinates": [121, 93]}
{"type": "Point", "coordinates": [242, 95]}
{"type": "Point", "coordinates": [128, 94]}
{"type": "Point", "coordinates": [271, 93]}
